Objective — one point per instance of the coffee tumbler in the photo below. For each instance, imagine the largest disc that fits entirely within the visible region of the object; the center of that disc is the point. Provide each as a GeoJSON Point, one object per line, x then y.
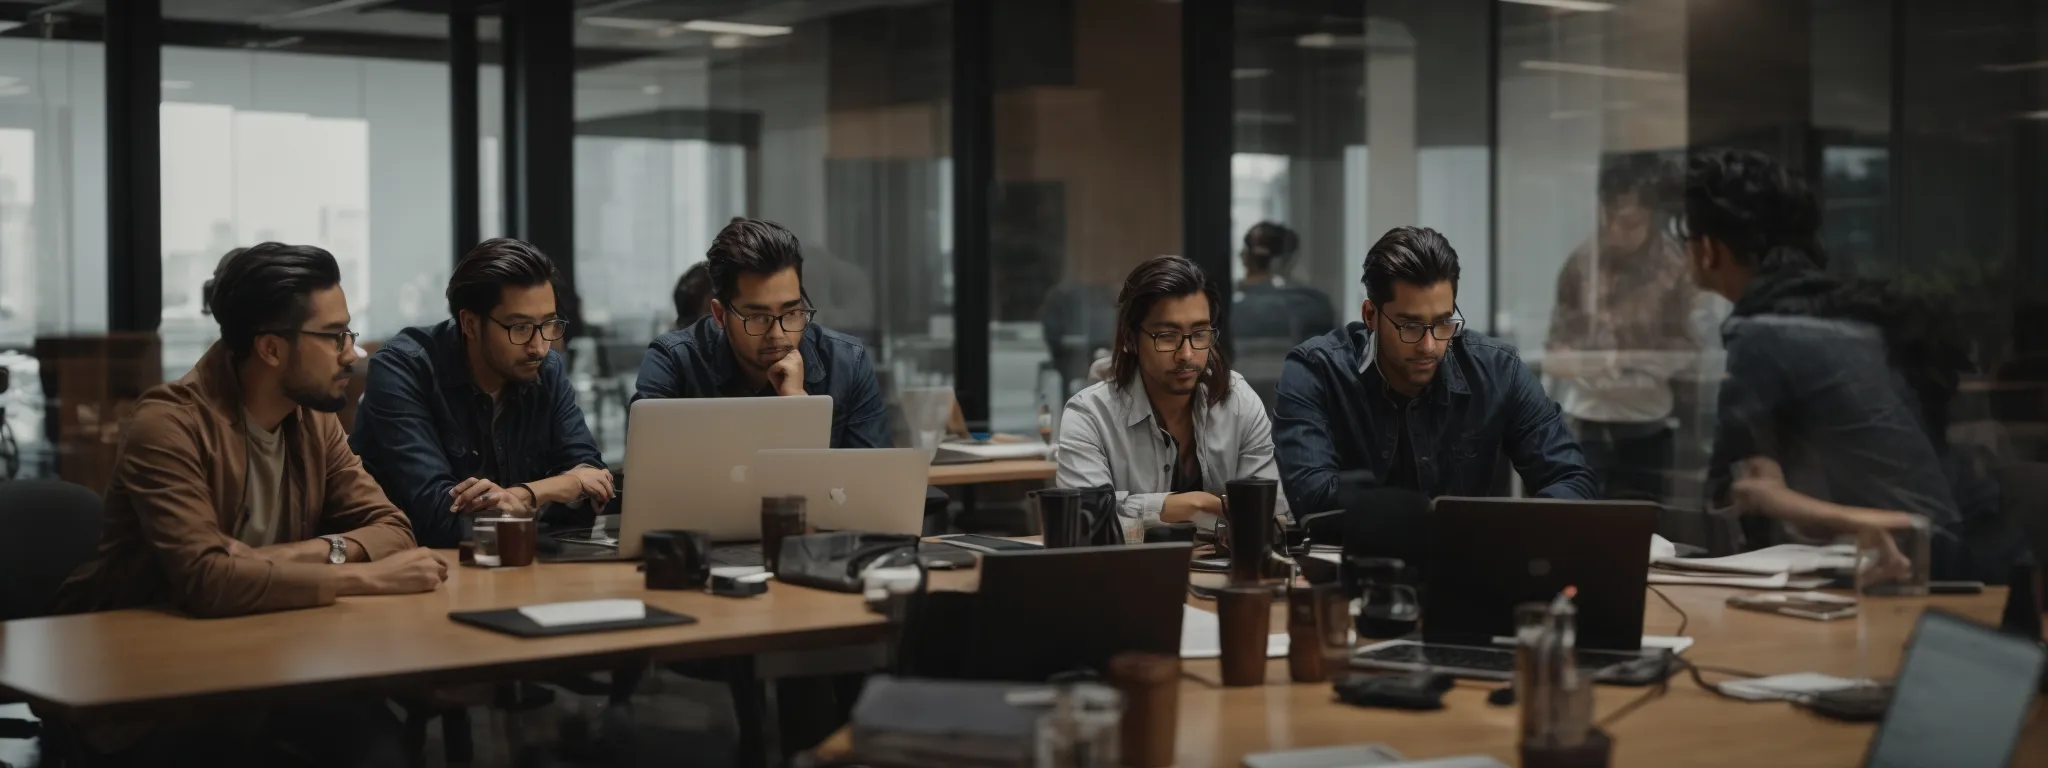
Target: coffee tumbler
{"type": "Point", "coordinates": [677, 559]}
{"type": "Point", "coordinates": [1061, 520]}
{"type": "Point", "coordinates": [1333, 622]}
{"type": "Point", "coordinates": [1150, 683]}
{"type": "Point", "coordinates": [1304, 636]}
{"type": "Point", "coordinates": [1245, 612]}
{"type": "Point", "coordinates": [781, 517]}
{"type": "Point", "coordinates": [518, 540]}
{"type": "Point", "coordinates": [1249, 509]}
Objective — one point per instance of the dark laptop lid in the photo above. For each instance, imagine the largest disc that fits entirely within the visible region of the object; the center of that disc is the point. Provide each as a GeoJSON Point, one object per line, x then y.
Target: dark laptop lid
{"type": "Point", "coordinates": [1043, 612]}
{"type": "Point", "coordinates": [1961, 697]}
{"type": "Point", "coordinates": [1485, 556]}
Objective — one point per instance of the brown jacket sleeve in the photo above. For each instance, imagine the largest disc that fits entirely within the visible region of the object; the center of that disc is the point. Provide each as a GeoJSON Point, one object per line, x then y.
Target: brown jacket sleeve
{"type": "Point", "coordinates": [178, 517]}
{"type": "Point", "coordinates": [356, 505]}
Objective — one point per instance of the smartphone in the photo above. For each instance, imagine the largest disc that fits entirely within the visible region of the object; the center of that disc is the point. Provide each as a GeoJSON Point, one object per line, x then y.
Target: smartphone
{"type": "Point", "coordinates": [1818, 606]}
{"type": "Point", "coordinates": [1955, 587]}
{"type": "Point", "coordinates": [1209, 565]}
{"type": "Point", "coordinates": [981, 543]}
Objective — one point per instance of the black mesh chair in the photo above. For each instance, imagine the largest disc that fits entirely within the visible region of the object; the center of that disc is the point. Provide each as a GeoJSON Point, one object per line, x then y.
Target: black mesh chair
{"type": "Point", "coordinates": [47, 529]}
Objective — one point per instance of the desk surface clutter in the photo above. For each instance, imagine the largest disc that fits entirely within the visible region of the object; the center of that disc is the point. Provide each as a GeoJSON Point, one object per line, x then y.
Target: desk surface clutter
{"type": "Point", "coordinates": [145, 663]}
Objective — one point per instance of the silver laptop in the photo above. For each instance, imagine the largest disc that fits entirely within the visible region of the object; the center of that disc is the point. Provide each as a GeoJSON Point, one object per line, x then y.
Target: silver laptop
{"type": "Point", "coordinates": [690, 462]}
{"type": "Point", "coordinates": [878, 490]}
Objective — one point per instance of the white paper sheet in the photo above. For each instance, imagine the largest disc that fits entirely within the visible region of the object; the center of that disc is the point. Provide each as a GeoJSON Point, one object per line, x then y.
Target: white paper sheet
{"type": "Point", "coordinates": [585, 612]}
{"type": "Point", "coordinates": [1201, 636]}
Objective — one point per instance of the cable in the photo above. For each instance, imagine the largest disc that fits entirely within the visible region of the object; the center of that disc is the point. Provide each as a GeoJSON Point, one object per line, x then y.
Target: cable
{"type": "Point", "coordinates": [1683, 619]}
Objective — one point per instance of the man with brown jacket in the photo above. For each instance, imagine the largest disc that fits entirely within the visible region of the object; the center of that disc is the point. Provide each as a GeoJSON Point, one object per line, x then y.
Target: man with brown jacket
{"type": "Point", "coordinates": [235, 493]}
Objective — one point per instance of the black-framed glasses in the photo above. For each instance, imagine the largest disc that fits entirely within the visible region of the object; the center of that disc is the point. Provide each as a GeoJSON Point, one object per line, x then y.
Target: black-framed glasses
{"type": "Point", "coordinates": [520, 333]}
{"type": "Point", "coordinates": [793, 321]}
{"type": "Point", "coordinates": [1411, 333]}
{"type": "Point", "coordinates": [1170, 341]}
{"type": "Point", "coordinates": [343, 340]}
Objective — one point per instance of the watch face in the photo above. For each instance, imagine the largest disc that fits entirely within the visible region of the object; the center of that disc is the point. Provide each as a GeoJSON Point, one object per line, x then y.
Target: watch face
{"type": "Point", "coordinates": [337, 552]}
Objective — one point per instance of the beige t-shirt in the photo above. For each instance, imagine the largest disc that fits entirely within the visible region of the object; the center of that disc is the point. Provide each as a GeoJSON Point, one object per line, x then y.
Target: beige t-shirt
{"type": "Point", "coordinates": [263, 495]}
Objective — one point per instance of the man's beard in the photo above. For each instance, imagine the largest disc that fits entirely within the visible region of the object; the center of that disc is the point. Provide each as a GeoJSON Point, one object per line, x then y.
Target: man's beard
{"type": "Point", "coordinates": [1172, 385]}
{"type": "Point", "coordinates": [317, 398]}
{"type": "Point", "coordinates": [513, 371]}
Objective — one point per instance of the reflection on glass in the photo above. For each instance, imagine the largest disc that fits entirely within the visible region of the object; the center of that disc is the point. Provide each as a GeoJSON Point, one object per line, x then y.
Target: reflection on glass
{"type": "Point", "coordinates": [263, 151]}
{"type": "Point", "coordinates": [1622, 327]}
{"type": "Point", "coordinates": [832, 127]}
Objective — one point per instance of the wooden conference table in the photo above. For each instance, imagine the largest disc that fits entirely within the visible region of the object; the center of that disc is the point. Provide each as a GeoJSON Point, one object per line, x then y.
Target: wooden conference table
{"type": "Point", "coordinates": [1003, 471]}
{"type": "Point", "coordinates": [144, 664]}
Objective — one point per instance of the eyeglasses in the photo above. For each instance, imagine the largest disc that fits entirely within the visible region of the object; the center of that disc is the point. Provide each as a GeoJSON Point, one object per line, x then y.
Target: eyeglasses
{"type": "Point", "coordinates": [343, 340]}
{"type": "Point", "coordinates": [1411, 333]}
{"type": "Point", "coordinates": [794, 321]}
{"type": "Point", "coordinates": [521, 333]}
{"type": "Point", "coordinates": [1170, 341]}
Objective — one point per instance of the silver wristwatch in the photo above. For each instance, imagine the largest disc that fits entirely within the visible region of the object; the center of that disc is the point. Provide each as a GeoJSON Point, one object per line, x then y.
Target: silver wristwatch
{"type": "Point", "coordinates": [337, 549]}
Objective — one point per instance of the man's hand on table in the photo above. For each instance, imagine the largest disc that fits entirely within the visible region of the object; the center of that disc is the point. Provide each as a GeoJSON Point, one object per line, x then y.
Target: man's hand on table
{"type": "Point", "coordinates": [408, 572]}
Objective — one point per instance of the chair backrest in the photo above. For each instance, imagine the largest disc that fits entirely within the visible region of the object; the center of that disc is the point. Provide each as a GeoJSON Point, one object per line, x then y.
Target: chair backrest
{"type": "Point", "coordinates": [47, 529]}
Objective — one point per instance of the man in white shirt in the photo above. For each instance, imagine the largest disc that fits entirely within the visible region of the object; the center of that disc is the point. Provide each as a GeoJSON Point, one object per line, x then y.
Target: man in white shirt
{"type": "Point", "coordinates": [1172, 424]}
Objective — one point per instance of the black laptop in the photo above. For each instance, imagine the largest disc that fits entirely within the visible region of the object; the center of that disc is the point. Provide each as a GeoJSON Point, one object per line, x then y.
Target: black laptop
{"type": "Point", "coordinates": [1040, 613]}
{"type": "Point", "coordinates": [1484, 556]}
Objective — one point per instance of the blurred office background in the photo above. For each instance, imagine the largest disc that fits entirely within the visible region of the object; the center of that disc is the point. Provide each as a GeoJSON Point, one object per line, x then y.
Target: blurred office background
{"type": "Point", "coordinates": [973, 178]}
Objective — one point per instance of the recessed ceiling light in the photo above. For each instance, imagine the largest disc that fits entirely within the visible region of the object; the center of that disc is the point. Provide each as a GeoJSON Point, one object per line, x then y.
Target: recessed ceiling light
{"type": "Point", "coordinates": [1567, 5]}
{"type": "Point", "coordinates": [2006, 69]}
{"type": "Point", "coordinates": [1600, 71]}
{"type": "Point", "coordinates": [735, 28]}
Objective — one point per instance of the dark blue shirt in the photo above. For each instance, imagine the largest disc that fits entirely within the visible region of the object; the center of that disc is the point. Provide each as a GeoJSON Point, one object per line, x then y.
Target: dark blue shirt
{"type": "Point", "coordinates": [424, 426]}
{"type": "Point", "coordinates": [697, 362]}
{"type": "Point", "coordinates": [1335, 414]}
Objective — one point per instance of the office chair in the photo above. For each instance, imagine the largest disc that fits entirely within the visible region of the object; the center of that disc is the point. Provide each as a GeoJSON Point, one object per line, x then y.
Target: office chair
{"type": "Point", "coordinates": [47, 529]}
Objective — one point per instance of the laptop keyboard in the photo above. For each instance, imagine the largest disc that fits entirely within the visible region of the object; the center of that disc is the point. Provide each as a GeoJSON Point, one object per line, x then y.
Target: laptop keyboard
{"type": "Point", "coordinates": [1467, 661]}
{"type": "Point", "coordinates": [728, 555]}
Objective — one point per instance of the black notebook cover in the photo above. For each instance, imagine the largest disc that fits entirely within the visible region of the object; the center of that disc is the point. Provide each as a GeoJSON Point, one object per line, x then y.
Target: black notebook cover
{"type": "Point", "coordinates": [510, 621]}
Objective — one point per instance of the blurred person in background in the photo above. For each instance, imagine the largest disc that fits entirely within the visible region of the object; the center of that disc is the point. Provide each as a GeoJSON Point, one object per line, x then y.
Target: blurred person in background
{"type": "Point", "coordinates": [1622, 326]}
{"type": "Point", "coordinates": [692, 295]}
{"type": "Point", "coordinates": [1266, 306]}
{"type": "Point", "coordinates": [1834, 413]}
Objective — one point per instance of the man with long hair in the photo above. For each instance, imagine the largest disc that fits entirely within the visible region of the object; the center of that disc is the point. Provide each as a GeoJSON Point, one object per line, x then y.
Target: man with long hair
{"type": "Point", "coordinates": [1172, 424]}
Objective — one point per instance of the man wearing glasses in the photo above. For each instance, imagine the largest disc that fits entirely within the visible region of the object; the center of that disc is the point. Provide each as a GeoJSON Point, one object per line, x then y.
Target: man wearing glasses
{"type": "Point", "coordinates": [1415, 399]}
{"type": "Point", "coordinates": [761, 339]}
{"type": "Point", "coordinates": [475, 414]}
{"type": "Point", "coordinates": [1172, 424]}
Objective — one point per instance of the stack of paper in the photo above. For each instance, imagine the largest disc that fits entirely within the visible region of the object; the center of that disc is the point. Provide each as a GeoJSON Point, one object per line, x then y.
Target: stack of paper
{"type": "Point", "coordinates": [1786, 566]}
{"type": "Point", "coordinates": [931, 722]}
{"type": "Point", "coordinates": [1201, 636]}
{"type": "Point", "coordinates": [992, 451]}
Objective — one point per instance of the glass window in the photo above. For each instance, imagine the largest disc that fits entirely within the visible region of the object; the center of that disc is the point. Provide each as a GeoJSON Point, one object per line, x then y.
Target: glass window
{"type": "Point", "coordinates": [1346, 128]}
{"type": "Point", "coordinates": [829, 119]}
{"type": "Point", "coordinates": [348, 153]}
{"type": "Point", "coordinates": [53, 216]}
{"type": "Point", "coordinates": [1087, 186]}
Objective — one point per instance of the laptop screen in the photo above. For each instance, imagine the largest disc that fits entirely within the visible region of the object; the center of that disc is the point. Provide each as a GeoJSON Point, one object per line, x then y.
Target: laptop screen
{"type": "Point", "coordinates": [1962, 695]}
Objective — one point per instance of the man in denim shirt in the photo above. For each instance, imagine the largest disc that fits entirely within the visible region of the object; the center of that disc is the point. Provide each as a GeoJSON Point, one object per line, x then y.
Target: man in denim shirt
{"type": "Point", "coordinates": [475, 415]}
{"type": "Point", "coordinates": [1408, 397]}
{"type": "Point", "coordinates": [759, 339]}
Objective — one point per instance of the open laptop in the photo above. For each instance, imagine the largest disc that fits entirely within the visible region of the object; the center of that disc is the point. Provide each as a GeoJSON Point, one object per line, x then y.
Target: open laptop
{"type": "Point", "coordinates": [691, 464]}
{"type": "Point", "coordinates": [1038, 613]}
{"type": "Point", "coordinates": [877, 490]}
{"type": "Point", "coordinates": [1961, 698]}
{"type": "Point", "coordinates": [1484, 556]}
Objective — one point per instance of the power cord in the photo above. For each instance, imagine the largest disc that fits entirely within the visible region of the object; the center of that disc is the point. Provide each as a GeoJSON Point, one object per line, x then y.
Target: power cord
{"type": "Point", "coordinates": [1663, 684]}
